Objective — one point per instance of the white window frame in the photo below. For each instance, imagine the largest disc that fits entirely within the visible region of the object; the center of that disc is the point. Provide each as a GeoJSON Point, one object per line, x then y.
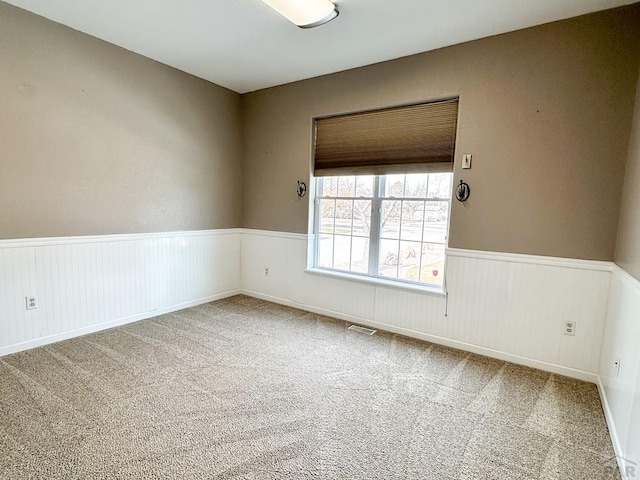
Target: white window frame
{"type": "Point", "coordinates": [374, 238]}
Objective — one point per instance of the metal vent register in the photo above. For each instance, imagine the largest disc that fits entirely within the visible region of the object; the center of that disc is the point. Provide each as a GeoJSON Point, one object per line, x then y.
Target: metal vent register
{"type": "Point", "coordinates": [366, 331]}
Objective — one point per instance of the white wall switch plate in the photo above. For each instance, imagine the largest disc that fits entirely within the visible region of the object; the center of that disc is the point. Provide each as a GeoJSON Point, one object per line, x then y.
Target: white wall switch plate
{"type": "Point", "coordinates": [466, 160]}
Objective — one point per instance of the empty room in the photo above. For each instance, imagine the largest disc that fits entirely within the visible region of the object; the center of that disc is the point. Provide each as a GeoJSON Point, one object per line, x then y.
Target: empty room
{"type": "Point", "coordinates": [296, 239]}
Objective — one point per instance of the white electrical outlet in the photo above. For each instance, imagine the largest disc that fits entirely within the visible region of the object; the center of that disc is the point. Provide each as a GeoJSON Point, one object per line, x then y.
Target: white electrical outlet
{"type": "Point", "coordinates": [570, 328]}
{"type": "Point", "coordinates": [266, 271]}
{"type": "Point", "coordinates": [31, 303]}
{"type": "Point", "coordinates": [616, 367]}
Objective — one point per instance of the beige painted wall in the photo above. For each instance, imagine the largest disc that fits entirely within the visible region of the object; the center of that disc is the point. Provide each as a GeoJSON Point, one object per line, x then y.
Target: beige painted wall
{"type": "Point", "coordinates": [546, 113]}
{"type": "Point", "coordinates": [95, 139]}
{"type": "Point", "coordinates": [628, 246]}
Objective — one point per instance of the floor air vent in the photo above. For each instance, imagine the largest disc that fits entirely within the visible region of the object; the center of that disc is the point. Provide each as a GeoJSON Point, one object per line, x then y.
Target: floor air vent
{"type": "Point", "coordinates": [366, 331]}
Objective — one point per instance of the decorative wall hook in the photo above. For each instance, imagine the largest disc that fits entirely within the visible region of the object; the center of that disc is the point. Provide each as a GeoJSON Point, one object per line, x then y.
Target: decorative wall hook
{"type": "Point", "coordinates": [463, 191]}
{"type": "Point", "coordinates": [302, 189]}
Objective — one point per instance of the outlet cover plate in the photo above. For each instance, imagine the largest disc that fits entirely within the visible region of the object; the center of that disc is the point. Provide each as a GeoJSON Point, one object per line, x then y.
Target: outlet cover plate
{"type": "Point", "coordinates": [31, 303]}
{"type": "Point", "coordinates": [570, 328]}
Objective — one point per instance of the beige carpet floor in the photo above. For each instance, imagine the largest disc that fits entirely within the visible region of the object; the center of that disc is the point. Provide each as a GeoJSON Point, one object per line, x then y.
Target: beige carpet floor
{"type": "Point", "coordinates": [245, 389]}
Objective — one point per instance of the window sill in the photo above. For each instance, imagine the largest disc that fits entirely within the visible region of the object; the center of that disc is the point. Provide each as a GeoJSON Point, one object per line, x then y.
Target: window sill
{"type": "Point", "coordinates": [439, 292]}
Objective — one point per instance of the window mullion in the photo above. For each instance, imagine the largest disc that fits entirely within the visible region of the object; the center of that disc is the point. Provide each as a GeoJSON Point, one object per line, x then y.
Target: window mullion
{"type": "Point", "coordinates": [424, 216]}
{"type": "Point", "coordinates": [374, 233]}
{"type": "Point", "coordinates": [400, 234]}
{"type": "Point", "coordinates": [353, 204]}
{"type": "Point", "coordinates": [333, 237]}
{"type": "Point", "coordinates": [317, 223]}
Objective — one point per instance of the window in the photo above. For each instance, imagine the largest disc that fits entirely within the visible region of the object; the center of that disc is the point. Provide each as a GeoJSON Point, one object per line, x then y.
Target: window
{"type": "Point", "coordinates": [385, 226]}
{"type": "Point", "coordinates": [383, 191]}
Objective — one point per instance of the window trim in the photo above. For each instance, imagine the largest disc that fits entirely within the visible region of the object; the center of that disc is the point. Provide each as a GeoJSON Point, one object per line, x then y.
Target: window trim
{"type": "Point", "coordinates": [374, 241]}
{"type": "Point", "coordinates": [404, 285]}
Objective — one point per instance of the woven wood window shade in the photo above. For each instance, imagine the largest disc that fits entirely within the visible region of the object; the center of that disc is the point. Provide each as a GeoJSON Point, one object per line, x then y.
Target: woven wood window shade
{"type": "Point", "coordinates": [415, 138]}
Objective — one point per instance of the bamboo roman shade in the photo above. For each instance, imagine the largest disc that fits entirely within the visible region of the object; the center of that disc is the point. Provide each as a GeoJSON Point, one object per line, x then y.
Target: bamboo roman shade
{"type": "Point", "coordinates": [415, 138]}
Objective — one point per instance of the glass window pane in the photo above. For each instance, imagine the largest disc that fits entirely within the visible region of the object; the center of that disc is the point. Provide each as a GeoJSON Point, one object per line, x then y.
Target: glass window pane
{"type": "Point", "coordinates": [435, 222]}
{"type": "Point", "coordinates": [388, 259]}
{"type": "Point", "coordinates": [413, 233]}
{"type": "Point", "coordinates": [329, 186]}
{"type": "Point", "coordinates": [360, 254]}
{"type": "Point", "coordinates": [444, 210]}
{"type": "Point", "coordinates": [416, 185]}
{"type": "Point", "coordinates": [394, 186]}
{"type": "Point", "coordinates": [344, 213]}
{"type": "Point", "coordinates": [327, 211]}
{"type": "Point", "coordinates": [390, 219]}
{"type": "Point", "coordinates": [364, 186]}
{"type": "Point", "coordinates": [346, 186]}
{"type": "Point", "coordinates": [409, 261]}
{"type": "Point", "coordinates": [432, 264]}
{"type": "Point", "coordinates": [439, 185]}
{"type": "Point", "coordinates": [362, 217]}
{"type": "Point", "coordinates": [325, 251]}
{"type": "Point", "coordinates": [412, 216]}
{"type": "Point", "coordinates": [342, 252]}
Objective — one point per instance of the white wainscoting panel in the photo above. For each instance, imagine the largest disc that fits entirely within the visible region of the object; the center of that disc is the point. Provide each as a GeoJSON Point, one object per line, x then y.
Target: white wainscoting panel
{"type": "Point", "coordinates": [84, 284]}
{"type": "Point", "coordinates": [507, 306]}
{"type": "Point", "coordinates": [17, 274]}
{"type": "Point", "coordinates": [621, 392]}
{"type": "Point", "coordinates": [521, 308]}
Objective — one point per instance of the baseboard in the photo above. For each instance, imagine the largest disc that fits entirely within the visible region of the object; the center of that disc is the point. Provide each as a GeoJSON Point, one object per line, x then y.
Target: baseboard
{"type": "Point", "coordinates": [39, 342]}
{"type": "Point", "coordinates": [488, 352]}
{"type": "Point", "coordinates": [613, 433]}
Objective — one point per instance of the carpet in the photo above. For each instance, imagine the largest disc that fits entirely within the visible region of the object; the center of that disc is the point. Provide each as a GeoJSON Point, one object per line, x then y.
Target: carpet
{"type": "Point", "coordinates": [246, 389]}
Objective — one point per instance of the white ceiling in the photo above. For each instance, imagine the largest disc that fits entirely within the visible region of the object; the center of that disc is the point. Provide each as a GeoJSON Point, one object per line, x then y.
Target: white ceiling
{"type": "Point", "coordinates": [244, 45]}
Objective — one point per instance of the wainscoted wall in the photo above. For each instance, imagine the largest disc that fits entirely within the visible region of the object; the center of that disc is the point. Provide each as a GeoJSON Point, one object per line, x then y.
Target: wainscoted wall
{"type": "Point", "coordinates": [85, 284]}
{"type": "Point", "coordinates": [503, 305]}
{"type": "Point", "coordinates": [621, 392]}
{"type": "Point", "coordinates": [506, 306]}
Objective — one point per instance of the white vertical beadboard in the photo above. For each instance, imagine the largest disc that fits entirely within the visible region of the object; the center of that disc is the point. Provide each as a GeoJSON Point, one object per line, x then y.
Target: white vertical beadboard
{"type": "Point", "coordinates": [16, 273]}
{"type": "Point", "coordinates": [520, 308]}
{"type": "Point", "coordinates": [500, 303]}
{"type": "Point", "coordinates": [505, 305]}
{"type": "Point", "coordinates": [85, 282]}
{"type": "Point", "coordinates": [427, 311]}
{"type": "Point", "coordinates": [260, 252]}
{"type": "Point", "coordinates": [621, 393]}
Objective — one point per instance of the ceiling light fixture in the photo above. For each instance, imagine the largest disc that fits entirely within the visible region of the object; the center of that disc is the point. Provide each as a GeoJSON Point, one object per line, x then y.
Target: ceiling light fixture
{"type": "Point", "coordinates": [305, 13]}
